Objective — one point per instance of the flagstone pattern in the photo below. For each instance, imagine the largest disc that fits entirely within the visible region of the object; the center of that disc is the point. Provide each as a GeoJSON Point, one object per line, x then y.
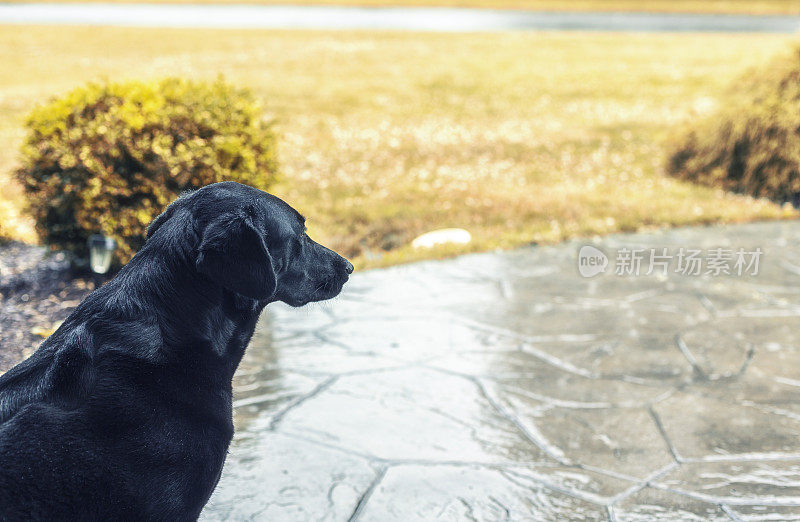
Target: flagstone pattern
{"type": "Point", "coordinates": [505, 386]}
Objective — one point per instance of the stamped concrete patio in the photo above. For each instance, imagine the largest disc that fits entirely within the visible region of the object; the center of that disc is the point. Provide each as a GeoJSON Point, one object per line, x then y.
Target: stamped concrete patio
{"type": "Point", "coordinates": [505, 386]}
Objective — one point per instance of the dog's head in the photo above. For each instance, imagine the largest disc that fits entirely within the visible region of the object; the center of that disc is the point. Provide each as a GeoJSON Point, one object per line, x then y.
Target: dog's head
{"type": "Point", "coordinates": [254, 244]}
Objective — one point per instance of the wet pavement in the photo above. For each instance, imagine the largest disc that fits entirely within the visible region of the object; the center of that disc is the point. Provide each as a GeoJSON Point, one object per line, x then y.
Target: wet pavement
{"type": "Point", "coordinates": [382, 18]}
{"type": "Point", "coordinates": [506, 386]}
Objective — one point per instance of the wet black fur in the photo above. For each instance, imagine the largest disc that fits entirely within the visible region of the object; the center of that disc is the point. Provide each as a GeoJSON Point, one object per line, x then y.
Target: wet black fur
{"type": "Point", "coordinates": [124, 413]}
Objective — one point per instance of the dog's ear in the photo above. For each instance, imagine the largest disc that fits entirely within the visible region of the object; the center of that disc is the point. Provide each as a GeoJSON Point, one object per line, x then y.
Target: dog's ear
{"type": "Point", "coordinates": [233, 253]}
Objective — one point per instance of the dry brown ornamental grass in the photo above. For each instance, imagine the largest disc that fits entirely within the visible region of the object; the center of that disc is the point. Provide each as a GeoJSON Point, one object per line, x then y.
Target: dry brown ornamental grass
{"type": "Point", "coordinates": [751, 144]}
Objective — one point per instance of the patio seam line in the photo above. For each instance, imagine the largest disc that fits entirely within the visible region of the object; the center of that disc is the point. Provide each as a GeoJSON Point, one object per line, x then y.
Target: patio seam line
{"type": "Point", "coordinates": [321, 387]}
{"type": "Point", "coordinates": [608, 473]}
{"type": "Point", "coordinates": [764, 408]}
{"type": "Point", "coordinates": [709, 499]}
{"type": "Point", "coordinates": [644, 294]}
{"type": "Point", "coordinates": [664, 436]}
{"type": "Point", "coordinates": [731, 513]}
{"type": "Point", "coordinates": [532, 339]}
{"type": "Point", "coordinates": [362, 501]}
{"type": "Point", "coordinates": [541, 444]}
{"type": "Point", "coordinates": [578, 494]}
{"type": "Point", "coordinates": [708, 305]}
{"type": "Point", "coordinates": [679, 342]}
{"type": "Point", "coordinates": [553, 402]}
{"type": "Point", "coordinates": [405, 364]}
{"type": "Point", "coordinates": [371, 371]}
{"type": "Point", "coordinates": [647, 481]}
{"type": "Point", "coordinates": [743, 457]}
{"type": "Point", "coordinates": [347, 451]}
{"type": "Point", "coordinates": [772, 411]}
{"type": "Point", "coordinates": [500, 466]}
{"type": "Point", "coordinates": [751, 352]}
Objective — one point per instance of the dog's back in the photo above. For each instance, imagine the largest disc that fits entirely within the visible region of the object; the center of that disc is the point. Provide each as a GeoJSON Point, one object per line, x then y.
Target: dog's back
{"type": "Point", "coordinates": [90, 432]}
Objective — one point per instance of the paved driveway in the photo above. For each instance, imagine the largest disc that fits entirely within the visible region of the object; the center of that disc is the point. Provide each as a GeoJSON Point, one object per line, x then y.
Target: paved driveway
{"type": "Point", "coordinates": [507, 386]}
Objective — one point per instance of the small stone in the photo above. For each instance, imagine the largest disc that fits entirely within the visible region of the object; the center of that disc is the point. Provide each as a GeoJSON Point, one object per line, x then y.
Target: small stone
{"type": "Point", "coordinates": [442, 236]}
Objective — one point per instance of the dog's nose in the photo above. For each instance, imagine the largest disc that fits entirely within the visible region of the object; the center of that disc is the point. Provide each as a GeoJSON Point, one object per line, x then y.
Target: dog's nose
{"type": "Point", "coordinates": [348, 266]}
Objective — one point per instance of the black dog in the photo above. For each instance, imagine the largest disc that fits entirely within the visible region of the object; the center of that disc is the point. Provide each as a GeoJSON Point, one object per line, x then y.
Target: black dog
{"type": "Point", "coordinates": [125, 411]}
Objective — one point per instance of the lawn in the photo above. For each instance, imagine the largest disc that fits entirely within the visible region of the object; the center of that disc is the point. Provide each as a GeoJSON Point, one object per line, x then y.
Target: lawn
{"type": "Point", "coordinates": [686, 6]}
{"type": "Point", "coordinates": [517, 137]}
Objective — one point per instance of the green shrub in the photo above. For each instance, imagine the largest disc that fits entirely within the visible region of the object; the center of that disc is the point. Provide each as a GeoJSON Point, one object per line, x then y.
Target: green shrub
{"type": "Point", "coordinates": [110, 157]}
{"type": "Point", "coordinates": [752, 144]}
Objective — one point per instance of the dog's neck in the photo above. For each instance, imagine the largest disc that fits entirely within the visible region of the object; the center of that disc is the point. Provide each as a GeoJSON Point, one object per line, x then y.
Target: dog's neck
{"type": "Point", "coordinates": [196, 318]}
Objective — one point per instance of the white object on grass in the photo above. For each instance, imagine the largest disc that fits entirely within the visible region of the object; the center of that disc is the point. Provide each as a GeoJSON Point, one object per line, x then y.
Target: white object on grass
{"type": "Point", "coordinates": [441, 237]}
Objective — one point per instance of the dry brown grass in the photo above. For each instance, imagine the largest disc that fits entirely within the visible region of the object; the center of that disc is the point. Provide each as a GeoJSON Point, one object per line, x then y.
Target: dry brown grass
{"type": "Point", "coordinates": [751, 145]}
{"type": "Point", "coordinates": [518, 137]}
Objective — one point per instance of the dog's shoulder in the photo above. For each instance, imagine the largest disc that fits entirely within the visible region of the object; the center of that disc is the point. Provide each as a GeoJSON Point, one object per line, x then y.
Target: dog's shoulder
{"type": "Point", "coordinates": [60, 368]}
{"type": "Point", "coordinates": [23, 384]}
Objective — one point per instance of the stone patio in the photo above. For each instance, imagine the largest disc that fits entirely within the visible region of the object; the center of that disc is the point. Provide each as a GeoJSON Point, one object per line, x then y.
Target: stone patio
{"type": "Point", "coordinates": [505, 386]}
